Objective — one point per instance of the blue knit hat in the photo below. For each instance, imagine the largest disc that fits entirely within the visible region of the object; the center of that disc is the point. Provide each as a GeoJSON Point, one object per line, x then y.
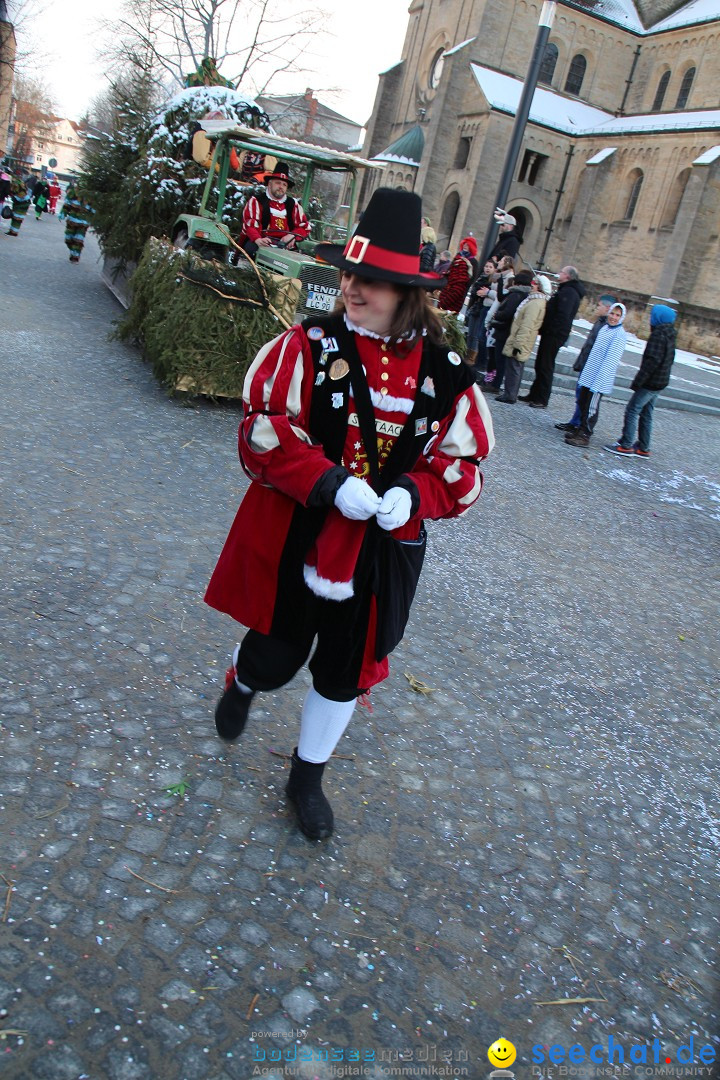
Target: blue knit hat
{"type": "Point", "coordinates": [660, 314]}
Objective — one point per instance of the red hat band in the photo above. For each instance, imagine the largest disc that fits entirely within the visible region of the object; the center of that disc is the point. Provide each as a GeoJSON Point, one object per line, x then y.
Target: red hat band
{"type": "Point", "coordinates": [359, 250]}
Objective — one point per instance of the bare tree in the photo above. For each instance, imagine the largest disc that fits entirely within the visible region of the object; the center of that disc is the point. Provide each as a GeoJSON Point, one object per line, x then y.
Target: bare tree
{"type": "Point", "coordinates": [34, 115]}
{"type": "Point", "coordinates": [252, 40]}
{"type": "Point", "coordinates": [135, 88]}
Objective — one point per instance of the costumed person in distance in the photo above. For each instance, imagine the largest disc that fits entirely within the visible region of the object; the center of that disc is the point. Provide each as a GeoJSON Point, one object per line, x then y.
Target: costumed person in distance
{"type": "Point", "coordinates": [41, 198]}
{"type": "Point", "coordinates": [358, 425]}
{"type": "Point", "coordinates": [20, 201]}
{"type": "Point", "coordinates": [77, 213]}
{"type": "Point", "coordinates": [272, 218]}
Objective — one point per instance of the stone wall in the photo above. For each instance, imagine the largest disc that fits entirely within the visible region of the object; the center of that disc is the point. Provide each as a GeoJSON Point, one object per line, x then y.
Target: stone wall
{"type": "Point", "coordinates": [593, 233]}
{"type": "Point", "coordinates": [698, 328]}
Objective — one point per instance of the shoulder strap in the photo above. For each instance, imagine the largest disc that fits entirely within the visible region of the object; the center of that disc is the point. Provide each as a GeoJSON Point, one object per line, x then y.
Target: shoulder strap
{"type": "Point", "coordinates": [264, 210]}
{"type": "Point", "coordinates": [334, 328]}
{"type": "Point", "coordinates": [361, 396]}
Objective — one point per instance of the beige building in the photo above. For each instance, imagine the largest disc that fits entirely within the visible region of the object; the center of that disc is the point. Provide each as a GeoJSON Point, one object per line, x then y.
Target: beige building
{"type": "Point", "coordinates": [619, 172]}
{"type": "Point", "coordinates": [7, 72]}
{"type": "Point", "coordinates": [62, 142]}
{"type": "Point", "coordinates": [39, 142]}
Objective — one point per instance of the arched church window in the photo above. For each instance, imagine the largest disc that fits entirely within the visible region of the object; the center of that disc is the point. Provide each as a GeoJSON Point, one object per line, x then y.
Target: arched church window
{"type": "Point", "coordinates": [521, 218]}
{"type": "Point", "coordinates": [685, 87]}
{"type": "Point", "coordinates": [635, 182]}
{"type": "Point", "coordinates": [549, 60]}
{"type": "Point", "coordinates": [661, 90]}
{"type": "Point", "coordinates": [436, 69]}
{"type": "Point", "coordinates": [672, 206]}
{"type": "Point", "coordinates": [448, 218]}
{"type": "Point", "coordinates": [576, 74]}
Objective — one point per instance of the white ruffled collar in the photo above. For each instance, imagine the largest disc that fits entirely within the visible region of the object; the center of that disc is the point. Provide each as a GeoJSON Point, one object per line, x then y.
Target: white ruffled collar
{"type": "Point", "coordinates": [370, 333]}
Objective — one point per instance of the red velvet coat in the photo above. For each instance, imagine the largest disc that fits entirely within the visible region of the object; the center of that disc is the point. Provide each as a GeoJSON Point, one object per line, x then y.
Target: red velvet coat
{"type": "Point", "coordinates": [286, 390]}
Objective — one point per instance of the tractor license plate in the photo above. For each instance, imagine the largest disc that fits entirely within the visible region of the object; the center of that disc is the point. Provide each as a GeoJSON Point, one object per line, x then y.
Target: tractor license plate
{"type": "Point", "coordinates": [320, 301]}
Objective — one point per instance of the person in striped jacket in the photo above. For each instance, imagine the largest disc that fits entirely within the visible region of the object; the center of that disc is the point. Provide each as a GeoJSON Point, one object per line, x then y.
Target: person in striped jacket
{"type": "Point", "coordinates": [358, 426]}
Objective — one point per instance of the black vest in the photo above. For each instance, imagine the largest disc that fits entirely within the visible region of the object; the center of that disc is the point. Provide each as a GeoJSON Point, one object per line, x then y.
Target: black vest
{"type": "Point", "coordinates": [265, 211]}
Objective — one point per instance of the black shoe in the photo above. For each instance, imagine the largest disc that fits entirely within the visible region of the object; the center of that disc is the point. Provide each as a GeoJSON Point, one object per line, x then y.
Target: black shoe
{"type": "Point", "coordinates": [505, 400]}
{"type": "Point", "coordinates": [524, 397]}
{"type": "Point", "coordinates": [231, 711]}
{"type": "Point", "coordinates": [577, 440]}
{"type": "Point", "coordinates": [536, 405]}
{"type": "Point", "coordinates": [566, 427]}
{"type": "Point", "coordinates": [304, 790]}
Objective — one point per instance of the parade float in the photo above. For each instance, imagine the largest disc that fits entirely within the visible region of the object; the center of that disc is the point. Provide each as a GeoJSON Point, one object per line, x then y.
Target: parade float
{"type": "Point", "coordinates": [168, 205]}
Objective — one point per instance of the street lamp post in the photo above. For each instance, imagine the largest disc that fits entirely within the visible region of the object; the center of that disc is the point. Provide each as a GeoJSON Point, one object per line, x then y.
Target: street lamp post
{"type": "Point", "coordinates": [547, 16]}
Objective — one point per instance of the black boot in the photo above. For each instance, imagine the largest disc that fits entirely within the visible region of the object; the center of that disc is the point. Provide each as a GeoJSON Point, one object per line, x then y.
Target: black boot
{"type": "Point", "coordinates": [304, 790]}
{"type": "Point", "coordinates": [231, 711]}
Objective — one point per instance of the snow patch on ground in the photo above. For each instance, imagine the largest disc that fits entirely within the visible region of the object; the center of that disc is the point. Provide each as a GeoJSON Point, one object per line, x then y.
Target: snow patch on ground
{"type": "Point", "coordinates": [692, 492]}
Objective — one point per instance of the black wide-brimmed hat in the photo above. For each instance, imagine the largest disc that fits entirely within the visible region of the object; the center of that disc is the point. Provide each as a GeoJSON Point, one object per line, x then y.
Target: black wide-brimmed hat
{"type": "Point", "coordinates": [386, 243]}
{"type": "Point", "coordinates": [280, 172]}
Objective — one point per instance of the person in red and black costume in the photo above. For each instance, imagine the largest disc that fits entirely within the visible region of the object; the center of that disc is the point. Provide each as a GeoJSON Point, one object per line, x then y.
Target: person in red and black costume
{"type": "Point", "coordinates": [273, 218]}
{"type": "Point", "coordinates": [358, 425]}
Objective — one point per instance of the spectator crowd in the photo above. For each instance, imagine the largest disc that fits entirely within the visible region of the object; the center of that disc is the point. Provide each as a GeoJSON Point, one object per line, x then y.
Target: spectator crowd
{"type": "Point", "coordinates": [509, 308]}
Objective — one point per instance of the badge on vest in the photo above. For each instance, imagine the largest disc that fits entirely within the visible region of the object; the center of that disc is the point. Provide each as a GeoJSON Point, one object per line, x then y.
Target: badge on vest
{"type": "Point", "coordinates": [339, 369]}
{"type": "Point", "coordinates": [315, 333]}
{"type": "Point", "coordinates": [455, 358]}
{"type": "Point", "coordinates": [337, 400]}
{"type": "Point", "coordinates": [421, 426]}
{"type": "Point", "coordinates": [428, 387]}
{"type": "Point", "coordinates": [320, 378]}
{"type": "Point", "coordinates": [330, 344]}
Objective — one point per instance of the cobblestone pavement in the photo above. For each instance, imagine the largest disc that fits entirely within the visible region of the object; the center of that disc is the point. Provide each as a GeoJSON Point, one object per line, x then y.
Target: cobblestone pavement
{"type": "Point", "coordinates": [542, 826]}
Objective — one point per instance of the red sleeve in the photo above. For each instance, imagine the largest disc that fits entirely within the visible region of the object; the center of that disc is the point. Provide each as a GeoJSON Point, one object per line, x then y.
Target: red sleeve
{"type": "Point", "coordinates": [252, 225]}
{"type": "Point", "coordinates": [447, 475]}
{"type": "Point", "coordinates": [300, 225]}
{"type": "Point", "coordinates": [274, 442]}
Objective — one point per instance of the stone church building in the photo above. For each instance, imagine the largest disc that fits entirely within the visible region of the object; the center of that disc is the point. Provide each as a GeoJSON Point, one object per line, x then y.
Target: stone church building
{"type": "Point", "coordinates": [619, 171]}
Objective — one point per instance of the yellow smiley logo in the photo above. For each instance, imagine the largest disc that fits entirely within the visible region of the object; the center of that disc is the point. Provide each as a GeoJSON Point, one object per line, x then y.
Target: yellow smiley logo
{"type": "Point", "coordinates": [502, 1053]}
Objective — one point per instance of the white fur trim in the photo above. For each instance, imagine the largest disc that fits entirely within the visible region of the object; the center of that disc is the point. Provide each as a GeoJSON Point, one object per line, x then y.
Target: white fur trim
{"type": "Point", "coordinates": [388, 403]}
{"type": "Point", "coordinates": [330, 590]}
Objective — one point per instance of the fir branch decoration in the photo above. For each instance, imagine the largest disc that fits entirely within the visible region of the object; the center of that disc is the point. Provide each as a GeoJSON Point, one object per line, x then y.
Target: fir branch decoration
{"type": "Point", "coordinates": [454, 337]}
{"type": "Point", "coordinates": [196, 341]}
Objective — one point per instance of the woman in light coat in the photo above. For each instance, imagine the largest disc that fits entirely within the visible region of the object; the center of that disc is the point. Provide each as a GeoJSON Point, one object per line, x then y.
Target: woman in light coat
{"type": "Point", "coordinates": [598, 376]}
{"type": "Point", "coordinates": [521, 339]}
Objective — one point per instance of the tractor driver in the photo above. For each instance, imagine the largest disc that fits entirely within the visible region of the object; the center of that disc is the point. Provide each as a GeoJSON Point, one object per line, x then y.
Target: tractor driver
{"type": "Point", "coordinates": [273, 218]}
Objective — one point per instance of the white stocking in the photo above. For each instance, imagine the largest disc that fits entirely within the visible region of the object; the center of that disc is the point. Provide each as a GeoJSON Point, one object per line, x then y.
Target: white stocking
{"type": "Point", "coordinates": [321, 727]}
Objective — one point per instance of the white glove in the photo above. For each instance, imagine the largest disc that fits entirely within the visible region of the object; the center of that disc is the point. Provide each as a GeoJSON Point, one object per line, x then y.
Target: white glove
{"type": "Point", "coordinates": [394, 509]}
{"type": "Point", "coordinates": [356, 500]}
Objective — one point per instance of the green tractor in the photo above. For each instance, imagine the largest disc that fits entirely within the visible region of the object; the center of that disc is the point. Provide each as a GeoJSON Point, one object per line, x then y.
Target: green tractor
{"type": "Point", "coordinates": [206, 232]}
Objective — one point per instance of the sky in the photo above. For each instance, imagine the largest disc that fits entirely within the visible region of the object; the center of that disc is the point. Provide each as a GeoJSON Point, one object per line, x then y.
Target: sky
{"type": "Point", "coordinates": [348, 57]}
